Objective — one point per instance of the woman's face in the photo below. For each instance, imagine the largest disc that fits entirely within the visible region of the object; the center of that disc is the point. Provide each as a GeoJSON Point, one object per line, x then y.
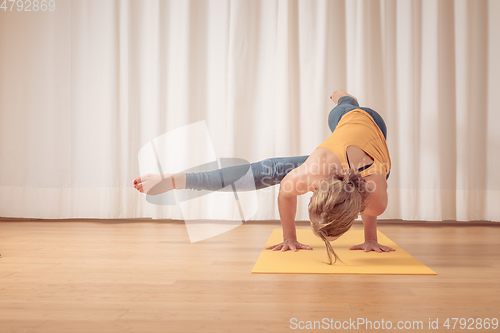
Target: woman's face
{"type": "Point", "coordinates": [330, 239]}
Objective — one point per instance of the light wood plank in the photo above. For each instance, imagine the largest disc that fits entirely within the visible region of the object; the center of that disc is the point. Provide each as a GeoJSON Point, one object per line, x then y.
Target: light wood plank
{"type": "Point", "coordinates": [145, 276]}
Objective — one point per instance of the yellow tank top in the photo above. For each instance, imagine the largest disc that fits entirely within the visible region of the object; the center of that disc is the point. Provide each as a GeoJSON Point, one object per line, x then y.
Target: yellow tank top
{"type": "Point", "coordinates": [357, 128]}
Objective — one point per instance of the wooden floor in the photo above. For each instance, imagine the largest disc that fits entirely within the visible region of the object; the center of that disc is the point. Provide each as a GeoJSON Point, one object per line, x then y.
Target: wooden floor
{"type": "Point", "coordinates": [144, 276]}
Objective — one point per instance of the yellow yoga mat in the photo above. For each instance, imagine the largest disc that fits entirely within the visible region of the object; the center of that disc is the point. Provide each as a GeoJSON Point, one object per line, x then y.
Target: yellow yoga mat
{"type": "Point", "coordinates": [354, 261]}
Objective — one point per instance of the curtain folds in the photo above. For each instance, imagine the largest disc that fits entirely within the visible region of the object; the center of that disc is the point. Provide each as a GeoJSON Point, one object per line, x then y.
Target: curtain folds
{"type": "Point", "coordinates": [83, 88]}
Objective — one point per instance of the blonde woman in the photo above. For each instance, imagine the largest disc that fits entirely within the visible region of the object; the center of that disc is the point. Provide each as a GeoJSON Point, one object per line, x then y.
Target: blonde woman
{"type": "Point", "coordinates": [347, 174]}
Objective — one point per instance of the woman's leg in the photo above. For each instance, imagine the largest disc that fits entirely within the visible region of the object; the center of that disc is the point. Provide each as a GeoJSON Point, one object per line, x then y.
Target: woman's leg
{"type": "Point", "coordinates": [378, 120]}
{"type": "Point", "coordinates": [245, 177]}
{"type": "Point", "coordinates": [345, 104]}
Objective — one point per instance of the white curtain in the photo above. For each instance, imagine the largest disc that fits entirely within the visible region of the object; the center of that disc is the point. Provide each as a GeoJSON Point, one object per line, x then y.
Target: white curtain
{"type": "Point", "coordinates": [84, 87]}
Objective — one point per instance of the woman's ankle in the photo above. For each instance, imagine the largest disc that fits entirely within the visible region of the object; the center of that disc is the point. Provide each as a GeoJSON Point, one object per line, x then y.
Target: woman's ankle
{"type": "Point", "coordinates": [178, 180]}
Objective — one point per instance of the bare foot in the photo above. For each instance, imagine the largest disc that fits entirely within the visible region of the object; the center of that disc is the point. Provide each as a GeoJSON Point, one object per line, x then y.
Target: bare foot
{"type": "Point", "coordinates": [340, 93]}
{"type": "Point", "coordinates": [153, 184]}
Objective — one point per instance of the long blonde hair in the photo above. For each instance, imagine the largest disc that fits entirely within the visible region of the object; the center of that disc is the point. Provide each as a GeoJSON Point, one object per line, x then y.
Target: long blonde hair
{"type": "Point", "coordinates": [335, 205]}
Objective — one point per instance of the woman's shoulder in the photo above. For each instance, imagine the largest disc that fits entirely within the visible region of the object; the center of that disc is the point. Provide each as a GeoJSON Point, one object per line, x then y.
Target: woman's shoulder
{"type": "Point", "coordinates": [323, 156]}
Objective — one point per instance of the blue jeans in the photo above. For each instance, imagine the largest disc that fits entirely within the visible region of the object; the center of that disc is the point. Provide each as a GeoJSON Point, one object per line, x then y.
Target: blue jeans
{"type": "Point", "coordinates": [270, 171]}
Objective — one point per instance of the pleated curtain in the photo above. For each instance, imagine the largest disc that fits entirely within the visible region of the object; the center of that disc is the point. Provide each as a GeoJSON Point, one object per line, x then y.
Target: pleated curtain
{"type": "Point", "coordinates": [85, 87]}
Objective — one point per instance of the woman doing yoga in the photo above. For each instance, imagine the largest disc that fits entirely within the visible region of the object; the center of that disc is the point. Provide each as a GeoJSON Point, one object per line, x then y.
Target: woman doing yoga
{"type": "Point", "coordinates": [347, 174]}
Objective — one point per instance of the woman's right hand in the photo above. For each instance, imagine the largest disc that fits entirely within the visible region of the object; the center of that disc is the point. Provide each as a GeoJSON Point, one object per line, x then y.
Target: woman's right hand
{"type": "Point", "coordinates": [289, 244]}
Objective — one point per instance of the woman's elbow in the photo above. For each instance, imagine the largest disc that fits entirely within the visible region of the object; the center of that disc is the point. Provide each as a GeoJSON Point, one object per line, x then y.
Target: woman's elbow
{"type": "Point", "coordinates": [375, 209]}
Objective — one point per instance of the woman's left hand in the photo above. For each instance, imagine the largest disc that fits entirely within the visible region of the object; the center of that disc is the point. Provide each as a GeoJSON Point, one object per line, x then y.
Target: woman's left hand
{"type": "Point", "coordinates": [289, 244]}
{"type": "Point", "coordinates": [372, 246]}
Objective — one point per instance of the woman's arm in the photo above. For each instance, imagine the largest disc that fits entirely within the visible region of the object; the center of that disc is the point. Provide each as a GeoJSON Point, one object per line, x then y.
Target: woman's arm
{"type": "Point", "coordinates": [376, 205]}
{"type": "Point", "coordinates": [287, 207]}
{"type": "Point", "coordinates": [296, 183]}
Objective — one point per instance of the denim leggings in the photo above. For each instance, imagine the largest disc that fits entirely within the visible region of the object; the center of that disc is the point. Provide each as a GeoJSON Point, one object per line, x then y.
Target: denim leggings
{"type": "Point", "coordinates": [271, 171]}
